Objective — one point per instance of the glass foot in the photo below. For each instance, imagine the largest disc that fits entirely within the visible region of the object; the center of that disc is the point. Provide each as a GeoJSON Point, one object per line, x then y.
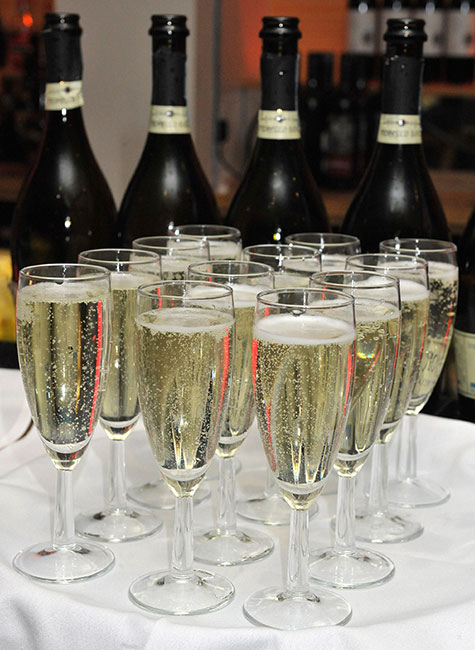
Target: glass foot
{"type": "Point", "coordinates": [237, 547]}
{"type": "Point", "coordinates": [416, 493]}
{"type": "Point", "coordinates": [159, 496]}
{"type": "Point", "coordinates": [49, 563]}
{"type": "Point", "coordinates": [274, 608]}
{"type": "Point", "coordinates": [269, 509]}
{"type": "Point", "coordinates": [386, 528]}
{"type": "Point", "coordinates": [114, 525]}
{"type": "Point", "coordinates": [351, 570]}
{"type": "Point", "coordinates": [161, 593]}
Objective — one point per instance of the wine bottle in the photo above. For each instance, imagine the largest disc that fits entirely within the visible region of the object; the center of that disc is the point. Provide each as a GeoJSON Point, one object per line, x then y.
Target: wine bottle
{"type": "Point", "coordinates": [345, 141]}
{"type": "Point", "coordinates": [461, 41]}
{"type": "Point", "coordinates": [388, 10]}
{"type": "Point", "coordinates": [396, 197]}
{"type": "Point", "coordinates": [363, 31]}
{"type": "Point", "coordinates": [464, 331]}
{"type": "Point", "coordinates": [169, 186]}
{"type": "Point", "coordinates": [278, 194]}
{"type": "Point", "coordinates": [314, 105]}
{"type": "Point", "coordinates": [433, 13]}
{"type": "Point", "coordinates": [65, 205]}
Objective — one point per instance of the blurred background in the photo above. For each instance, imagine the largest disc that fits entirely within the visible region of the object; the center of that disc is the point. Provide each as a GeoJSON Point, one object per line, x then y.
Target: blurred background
{"type": "Point", "coordinates": [340, 48]}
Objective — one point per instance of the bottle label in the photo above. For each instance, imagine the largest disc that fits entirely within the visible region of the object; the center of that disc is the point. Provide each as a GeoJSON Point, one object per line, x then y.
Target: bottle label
{"type": "Point", "coordinates": [399, 129]}
{"type": "Point", "coordinates": [64, 94]}
{"type": "Point", "coordinates": [464, 347]}
{"type": "Point", "coordinates": [168, 119]}
{"type": "Point", "coordinates": [461, 31]}
{"type": "Point", "coordinates": [278, 125]}
{"type": "Point", "coordinates": [362, 29]}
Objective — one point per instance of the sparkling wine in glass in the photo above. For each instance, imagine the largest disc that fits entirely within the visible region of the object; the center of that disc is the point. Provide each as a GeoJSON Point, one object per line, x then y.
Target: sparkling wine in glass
{"type": "Point", "coordinates": [227, 543]}
{"type": "Point", "coordinates": [377, 311]}
{"type": "Point", "coordinates": [293, 266]}
{"type": "Point", "coordinates": [185, 344]}
{"type": "Point", "coordinates": [304, 346]}
{"type": "Point", "coordinates": [333, 247]}
{"type": "Point", "coordinates": [118, 520]}
{"type": "Point", "coordinates": [176, 253]}
{"type": "Point", "coordinates": [63, 329]}
{"type": "Point", "coordinates": [410, 490]}
{"type": "Point", "coordinates": [376, 522]}
{"type": "Point", "coordinates": [225, 242]}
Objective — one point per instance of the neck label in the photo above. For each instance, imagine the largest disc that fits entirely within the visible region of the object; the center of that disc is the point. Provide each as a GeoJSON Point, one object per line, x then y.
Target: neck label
{"type": "Point", "coordinates": [278, 125]}
{"type": "Point", "coordinates": [399, 129]}
{"type": "Point", "coordinates": [168, 119]}
{"type": "Point", "coordinates": [63, 95]}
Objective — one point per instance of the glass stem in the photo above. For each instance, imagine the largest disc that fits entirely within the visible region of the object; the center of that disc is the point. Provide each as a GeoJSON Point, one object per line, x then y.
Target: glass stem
{"type": "Point", "coordinates": [226, 517]}
{"type": "Point", "coordinates": [63, 534]}
{"type": "Point", "coordinates": [406, 459]}
{"type": "Point", "coordinates": [116, 497]}
{"type": "Point", "coordinates": [345, 515]}
{"type": "Point", "coordinates": [270, 488]}
{"type": "Point", "coordinates": [378, 487]}
{"type": "Point", "coordinates": [297, 565]}
{"type": "Point", "coordinates": [182, 553]}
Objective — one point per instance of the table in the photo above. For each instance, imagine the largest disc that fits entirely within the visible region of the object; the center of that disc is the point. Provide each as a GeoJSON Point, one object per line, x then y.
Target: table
{"type": "Point", "coordinates": [430, 603]}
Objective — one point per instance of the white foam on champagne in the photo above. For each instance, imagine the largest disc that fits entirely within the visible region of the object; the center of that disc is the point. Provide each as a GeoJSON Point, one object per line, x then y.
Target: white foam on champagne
{"type": "Point", "coordinates": [185, 320]}
{"type": "Point", "coordinates": [304, 329]}
{"type": "Point", "coordinates": [412, 291]}
{"type": "Point", "coordinates": [447, 273]}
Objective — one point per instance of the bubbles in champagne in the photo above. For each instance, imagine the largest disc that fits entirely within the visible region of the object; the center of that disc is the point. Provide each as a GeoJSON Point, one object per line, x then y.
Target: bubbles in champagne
{"type": "Point", "coordinates": [184, 358]}
{"type": "Point", "coordinates": [61, 330]}
{"type": "Point", "coordinates": [303, 379]}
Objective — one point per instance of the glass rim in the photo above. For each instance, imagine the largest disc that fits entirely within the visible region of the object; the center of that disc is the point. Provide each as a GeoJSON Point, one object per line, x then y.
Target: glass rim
{"type": "Point", "coordinates": [387, 280]}
{"type": "Point", "coordinates": [146, 289]}
{"type": "Point", "coordinates": [344, 239]}
{"type": "Point", "coordinates": [412, 261]}
{"type": "Point", "coordinates": [94, 272]}
{"type": "Point", "coordinates": [266, 268]}
{"type": "Point", "coordinates": [313, 252]}
{"type": "Point", "coordinates": [152, 257]}
{"type": "Point", "coordinates": [230, 231]}
{"type": "Point", "coordinates": [443, 245]}
{"type": "Point", "coordinates": [348, 299]}
{"type": "Point", "coordinates": [195, 243]}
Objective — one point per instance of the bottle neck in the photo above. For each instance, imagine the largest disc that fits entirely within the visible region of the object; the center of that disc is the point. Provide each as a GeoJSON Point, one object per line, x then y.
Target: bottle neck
{"type": "Point", "coordinates": [168, 112]}
{"type": "Point", "coordinates": [401, 101]}
{"type": "Point", "coordinates": [278, 117]}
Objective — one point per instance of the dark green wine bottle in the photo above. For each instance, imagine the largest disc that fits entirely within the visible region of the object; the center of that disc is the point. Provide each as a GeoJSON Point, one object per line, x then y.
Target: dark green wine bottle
{"type": "Point", "coordinates": [278, 195]}
{"type": "Point", "coordinates": [396, 197]}
{"type": "Point", "coordinates": [169, 186]}
{"type": "Point", "coordinates": [65, 205]}
{"type": "Point", "coordinates": [464, 331]}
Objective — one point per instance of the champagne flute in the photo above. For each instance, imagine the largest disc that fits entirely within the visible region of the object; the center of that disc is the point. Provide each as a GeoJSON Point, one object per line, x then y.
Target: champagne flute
{"type": "Point", "coordinates": [225, 242]}
{"type": "Point", "coordinates": [410, 490]}
{"type": "Point", "coordinates": [226, 544]}
{"type": "Point", "coordinates": [304, 343]}
{"type": "Point", "coordinates": [118, 521]}
{"type": "Point", "coordinates": [378, 523]}
{"type": "Point", "coordinates": [176, 253]}
{"type": "Point", "coordinates": [63, 328]}
{"type": "Point", "coordinates": [377, 311]}
{"type": "Point", "coordinates": [293, 266]}
{"type": "Point", "coordinates": [333, 247]}
{"type": "Point", "coordinates": [185, 333]}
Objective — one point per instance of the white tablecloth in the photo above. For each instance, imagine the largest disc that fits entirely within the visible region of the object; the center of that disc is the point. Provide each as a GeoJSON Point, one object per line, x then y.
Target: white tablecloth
{"type": "Point", "coordinates": [430, 603]}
